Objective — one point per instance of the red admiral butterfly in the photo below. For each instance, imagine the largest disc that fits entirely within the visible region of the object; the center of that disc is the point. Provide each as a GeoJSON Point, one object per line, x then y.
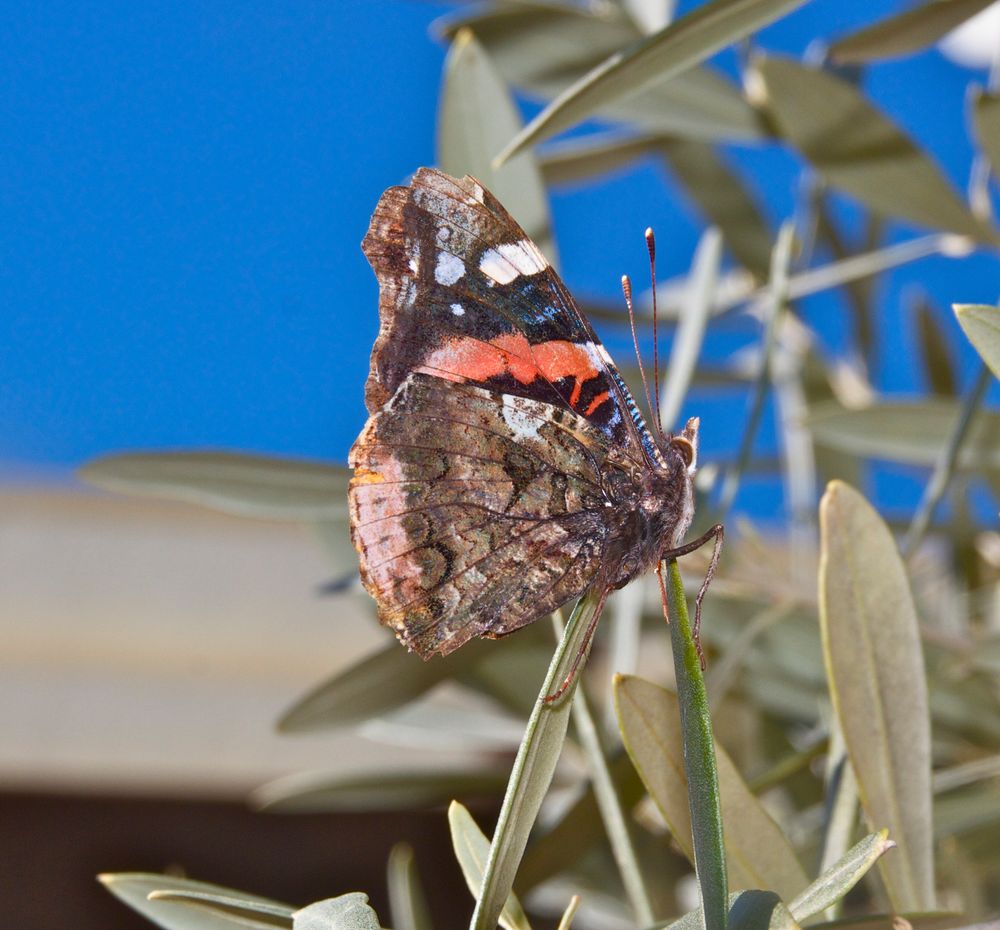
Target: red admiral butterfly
{"type": "Point", "coordinates": [505, 468]}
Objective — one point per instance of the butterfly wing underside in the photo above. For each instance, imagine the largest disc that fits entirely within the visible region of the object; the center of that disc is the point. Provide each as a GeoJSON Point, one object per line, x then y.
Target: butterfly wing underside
{"type": "Point", "coordinates": [477, 503]}
{"type": "Point", "coordinates": [474, 512]}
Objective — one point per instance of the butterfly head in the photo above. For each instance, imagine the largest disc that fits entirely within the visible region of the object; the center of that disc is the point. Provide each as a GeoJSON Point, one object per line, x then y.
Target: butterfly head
{"type": "Point", "coordinates": [685, 444]}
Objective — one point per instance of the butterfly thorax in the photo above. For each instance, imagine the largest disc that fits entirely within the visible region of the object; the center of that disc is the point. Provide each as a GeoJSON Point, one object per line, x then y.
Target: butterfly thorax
{"type": "Point", "coordinates": [650, 510]}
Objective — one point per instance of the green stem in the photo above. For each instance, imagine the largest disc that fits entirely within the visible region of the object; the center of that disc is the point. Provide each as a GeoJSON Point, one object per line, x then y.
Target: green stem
{"type": "Point", "coordinates": [533, 770]}
{"type": "Point", "coordinates": [699, 758]}
{"type": "Point", "coordinates": [945, 467]}
{"type": "Point", "coordinates": [611, 813]}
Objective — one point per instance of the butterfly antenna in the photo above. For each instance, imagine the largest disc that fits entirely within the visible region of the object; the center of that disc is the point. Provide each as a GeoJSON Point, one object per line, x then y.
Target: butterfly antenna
{"type": "Point", "coordinates": [627, 291]}
{"type": "Point", "coordinates": [651, 248]}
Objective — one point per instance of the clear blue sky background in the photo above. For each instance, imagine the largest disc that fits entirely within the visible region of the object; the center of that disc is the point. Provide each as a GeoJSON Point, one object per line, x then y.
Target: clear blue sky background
{"type": "Point", "coordinates": [183, 187]}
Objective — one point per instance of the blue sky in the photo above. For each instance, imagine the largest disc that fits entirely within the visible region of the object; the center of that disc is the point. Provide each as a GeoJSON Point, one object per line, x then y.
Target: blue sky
{"type": "Point", "coordinates": [184, 186]}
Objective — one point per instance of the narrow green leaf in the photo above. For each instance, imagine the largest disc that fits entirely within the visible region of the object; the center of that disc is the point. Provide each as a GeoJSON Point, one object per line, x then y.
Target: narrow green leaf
{"type": "Point", "coordinates": [858, 149]}
{"type": "Point", "coordinates": [376, 791]}
{"type": "Point", "coordinates": [346, 912]}
{"type": "Point", "coordinates": [237, 911]}
{"type": "Point", "coordinates": [383, 681]}
{"type": "Point", "coordinates": [533, 769]}
{"type": "Point", "coordinates": [477, 115]}
{"type": "Point", "coordinates": [612, 813]}
{"type": "Point", "coordinates": [934, 920]}
{"type": "Point", "coordinates": [535, 44]}
{"type": "Point", "coordinates": [981, 324]}
{"type": "Point", "coordinates": [986, 116]}
{"type": "Point", "coordinates": [700, 765]}
{"type": "Point", "coordinates": [757, 851]}
{"type": "Point", "coordinates": [566, 921]}
{"type": "Point", "coordinates": [245, 485]}
{"type": "Point", "coordinates": [582, 159]}
{"type": "Point", "coordinates": [239, 908]}
{"type": "Point", "coordinates": [579, 829]}
{"type": "Point", "coordinates": [836, 881]}
{"type": "Point", "coordinates": [698, 104]}
{"type": "Point", "coordinates": [472, 849]}
{"type": "Point", "coordinates": [840, 806]}
{"type": "Point", "coordinates": [912, 432]}
{"type": "Point", "coordinates": [724, 199]}
{"type": "Point", "coordinates": [945, 467]}
{"type": "Point", "coordinates": [679, 46]}
{"type": "Point", "coordinates": [542, 48]}
{"type": "Point", "coordinates": [875, 668]}
{"type": "Point", "coordinates": [906, 32]}
{"type": "Point", "coordinates": [407, 902]}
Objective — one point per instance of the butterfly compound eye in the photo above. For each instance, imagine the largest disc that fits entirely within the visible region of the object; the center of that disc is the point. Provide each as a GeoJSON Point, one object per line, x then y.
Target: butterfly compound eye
{"type": "Point", "coordinates": [685, 448]}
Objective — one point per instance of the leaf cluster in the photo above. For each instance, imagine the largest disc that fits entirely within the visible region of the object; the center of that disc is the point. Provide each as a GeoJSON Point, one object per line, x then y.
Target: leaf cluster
{"type": "Point", "coordinates": [853, 777]}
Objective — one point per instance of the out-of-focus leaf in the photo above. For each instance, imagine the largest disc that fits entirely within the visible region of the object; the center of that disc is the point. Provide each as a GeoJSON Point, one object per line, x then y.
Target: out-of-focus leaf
{"type": "Point", "coordinates": [234, 908]}
{"type": "Point", "coordinates": [346, 912]}
{"type": "Point", "coordinates": [238, 911]}
{"type": "Point", "coordinates": [982, 326]}
{"type": "Point", "coordinates": [698, 104]}
{"type": "Point", "coordinates": [859, 292]}
{"type": "Point", "coordinates": [579, 829]}
{"type": "Point", "coordinates": [650, 15]}
{"type": "Point", "coordinates": [912, 432]}
{"type": "Point", "coordinates": [407, 902]}
{"type": "Point", "coordinates": [836, 881]}
{"type": "Point", "coordinates": [858, 149]}
{"type": "Point", "coordinates": [679, 46]}
{"type": "Point", "coordinates": [542, 48]}
{"type": "Point", "coordinates": [533, 768]}
{"type": "Point", "coordinates": [968, 811]}
{"type": "Point", "coordinates": [986, 115]}
{"type": "Point", "coordinates": [875, 667]}
{"type": "Point", "coordinates": [476, 117]}
{"type": "Point", "coordinates": [377, 684]}
{"type": "Point", "coordinates": [757, 852]}
{"type": "Point", "coordinates": [375, 791]}
{"type": "Point", "coordinates": [933, 343]}
{"type": "Point", "coordinates": [471, 849]}
{"type": "Point", "coordinates": [691, 327]}
{"type": "Point", "coordinates": [721, 195]}
{"type": "Point", "coordinates": [582, 159]}
{"type": "Point", "coordinates": [906, 32]}
{"type": "Point", "coordinates": [934, 920]}
{"type": "Point", "coordinates": [534, 44]}
{"type": "Point", "coordinates": [245, 485]}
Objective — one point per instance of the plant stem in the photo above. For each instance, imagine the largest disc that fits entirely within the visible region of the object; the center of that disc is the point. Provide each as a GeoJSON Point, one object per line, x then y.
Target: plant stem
{"type": "Point", "coordinates": [611, 813]}
{"type": "Point", "coordinates": [533, 770]}
{"type": "Point", "coordinates": [945, 467]}
{"type": "Point", "coordinates": [699, 759]}
{"type": "Point", "coordinates": [778, 290]}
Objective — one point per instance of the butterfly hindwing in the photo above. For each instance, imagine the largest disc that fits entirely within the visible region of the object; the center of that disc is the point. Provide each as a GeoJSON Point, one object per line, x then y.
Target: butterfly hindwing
{"type": "Point", "coordinates": [467, 296]}
{"type": "Point", "coordinates": [474, 512]}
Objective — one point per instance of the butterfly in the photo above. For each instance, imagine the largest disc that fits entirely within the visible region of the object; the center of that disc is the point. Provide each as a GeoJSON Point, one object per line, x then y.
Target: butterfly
{"type": "Point", "coordinates": [505, 468]}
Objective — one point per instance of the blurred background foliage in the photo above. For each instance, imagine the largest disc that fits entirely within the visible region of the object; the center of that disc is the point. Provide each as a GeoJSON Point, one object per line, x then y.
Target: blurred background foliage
{"type": "Point", "coordinates": [854, 659]}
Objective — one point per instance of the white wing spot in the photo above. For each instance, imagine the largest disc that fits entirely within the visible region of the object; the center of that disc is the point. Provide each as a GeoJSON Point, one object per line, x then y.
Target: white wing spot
{"type": "Point", "coordinates": [522, 424]}
{"type": "Point", "coordinates": [511, 259]}
{"type": "Point", "coordinates": [449, 268]}
{"type": "Point", "coordinates": [458, 309]}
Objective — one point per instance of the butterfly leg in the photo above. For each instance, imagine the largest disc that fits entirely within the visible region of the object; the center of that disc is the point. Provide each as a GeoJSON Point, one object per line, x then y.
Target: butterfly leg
{"type": "Point", "coordinates": [716, 533]}
{"type": "Point", "coordinates": [581, 652]}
